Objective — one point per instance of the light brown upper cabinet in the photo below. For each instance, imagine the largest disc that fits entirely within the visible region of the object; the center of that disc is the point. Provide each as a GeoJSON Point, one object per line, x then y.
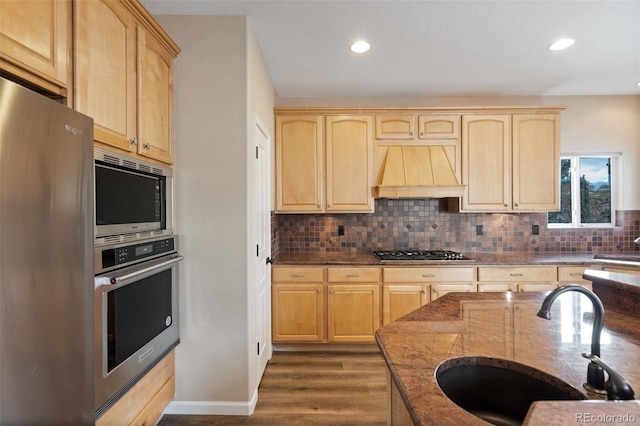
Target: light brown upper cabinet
{"type": "Point", "coordinates": [486, 162]}
{"type": "Point", "coordinates": [124, 77]}
{"type": "Point", "coordinates": [395, 126]}
{"type": "Point", "coordinates": [536, 162]}
{"type": "Point", "coordinates": [299, 164]}
{"type": "Point", "coordinates": [439, 126]}
{"type": "Point", "coordinates": [35, 42]}
{"type": "Point", "coordinates": [323, 164]}
{"type": "Point", "coordinates": [510, 162]}
{"type": "Point", "coordinates": [430, 126]}
{"type": "Point", "coordinates": [349, 163]}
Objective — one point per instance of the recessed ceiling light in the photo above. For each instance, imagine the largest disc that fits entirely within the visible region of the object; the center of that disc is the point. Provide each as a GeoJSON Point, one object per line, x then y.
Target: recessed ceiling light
{"type": "Point", "coordinates": [360, 46]}
{"type": "Point", "coordinates": [638, 84]}
{"type": "Point", "coordinates": [561, 44]}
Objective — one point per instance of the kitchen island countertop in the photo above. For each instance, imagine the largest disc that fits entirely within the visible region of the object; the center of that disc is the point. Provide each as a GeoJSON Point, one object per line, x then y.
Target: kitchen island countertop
{"type": "Point", "coordinates": [504, 325]}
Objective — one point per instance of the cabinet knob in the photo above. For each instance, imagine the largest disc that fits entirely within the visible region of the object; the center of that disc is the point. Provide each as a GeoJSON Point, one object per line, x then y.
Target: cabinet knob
{"type": "Point", "coordinates": [133, 141]}
{"type": "Point", "coordinates": [331, 291]}
{"type": "Point", "coordinates": [319, 291]}
{"type": "Point", "coordinates": [146, 146]}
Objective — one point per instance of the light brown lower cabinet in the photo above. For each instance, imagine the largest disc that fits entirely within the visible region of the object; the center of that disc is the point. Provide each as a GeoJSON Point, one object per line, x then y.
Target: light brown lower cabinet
{"type": "Point", "coordinates": [144, 403]}
{"type": "Point", "coordinates": [298, 312]}
{"type": "Point", "coordinates": [400, 299]}
{"type": "Point", "coordinates": [353, 312]}
{"type": "Point", "coordinates": [298, 304]}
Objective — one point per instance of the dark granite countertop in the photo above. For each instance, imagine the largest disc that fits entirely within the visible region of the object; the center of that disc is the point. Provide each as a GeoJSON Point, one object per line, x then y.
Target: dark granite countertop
{"type": "Point", "coordinates": [627, 282]}
{"type": "Point", "coordinates": [505, 326]}
{"type": "Point", "coordinates": [561, 258]}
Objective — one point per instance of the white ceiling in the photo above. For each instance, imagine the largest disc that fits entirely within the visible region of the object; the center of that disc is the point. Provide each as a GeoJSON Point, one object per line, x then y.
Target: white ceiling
{"type": "Point", "coordinates": [438, 48]}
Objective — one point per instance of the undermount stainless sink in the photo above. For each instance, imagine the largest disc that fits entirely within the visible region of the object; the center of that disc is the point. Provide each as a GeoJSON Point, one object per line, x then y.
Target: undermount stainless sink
{"type": "Point", "coordinates": [499, 391]}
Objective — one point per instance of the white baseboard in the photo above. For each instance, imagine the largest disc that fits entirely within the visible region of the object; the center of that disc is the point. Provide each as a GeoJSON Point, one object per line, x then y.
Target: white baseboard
{"type": "Point", "coordinates": [213, 408]}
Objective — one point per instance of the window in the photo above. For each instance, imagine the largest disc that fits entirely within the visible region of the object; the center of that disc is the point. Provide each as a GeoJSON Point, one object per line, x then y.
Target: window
{"type": "Point", "coordinates": [587, 192]}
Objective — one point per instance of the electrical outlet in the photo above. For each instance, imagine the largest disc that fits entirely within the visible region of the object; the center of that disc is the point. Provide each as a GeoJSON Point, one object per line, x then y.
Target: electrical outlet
{"type": "Point", "coordinates": [535, 229]}
{"type": "Point", "coordinates": [340, 229]}
{"type": "Point", "coordinates": [479, 230]}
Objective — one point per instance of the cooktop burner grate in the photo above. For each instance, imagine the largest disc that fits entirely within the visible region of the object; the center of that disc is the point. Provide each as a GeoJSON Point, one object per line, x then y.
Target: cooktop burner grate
{"type": "Point", "coordinates": [419, 255]}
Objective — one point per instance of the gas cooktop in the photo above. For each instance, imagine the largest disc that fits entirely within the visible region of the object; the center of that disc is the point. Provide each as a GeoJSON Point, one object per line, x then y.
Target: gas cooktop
{"type": "Point", "coordinates": [389, 255]}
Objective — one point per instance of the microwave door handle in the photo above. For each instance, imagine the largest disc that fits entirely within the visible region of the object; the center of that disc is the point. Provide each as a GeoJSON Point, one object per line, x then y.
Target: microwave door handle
{"type": "Point", "coordinates": [121, 278]}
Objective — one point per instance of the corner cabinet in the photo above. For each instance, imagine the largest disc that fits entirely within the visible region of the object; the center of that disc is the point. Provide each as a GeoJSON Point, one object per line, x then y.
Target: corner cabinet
{"type": "Point", "coordinates": [323, 164]}
{"type": "Point", "coordinates": [511, 162]}
{"type": "Point", "coordinates": [35, 42]}
{"type": "Point", "coordinates": [124, 77]}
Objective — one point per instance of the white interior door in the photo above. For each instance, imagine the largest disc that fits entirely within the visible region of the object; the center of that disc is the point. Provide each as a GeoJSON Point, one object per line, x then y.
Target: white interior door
{"type": "Point", "coordinates": [263, 247]}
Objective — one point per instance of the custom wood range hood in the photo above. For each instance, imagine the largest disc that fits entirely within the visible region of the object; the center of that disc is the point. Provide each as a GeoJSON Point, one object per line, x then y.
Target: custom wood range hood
{"type": "Point", "coordinates": [418, 171]}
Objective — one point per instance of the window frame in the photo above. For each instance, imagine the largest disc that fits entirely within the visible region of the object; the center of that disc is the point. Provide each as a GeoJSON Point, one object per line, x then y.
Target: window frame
{"type": "Point", "coordinates": [616, 172]}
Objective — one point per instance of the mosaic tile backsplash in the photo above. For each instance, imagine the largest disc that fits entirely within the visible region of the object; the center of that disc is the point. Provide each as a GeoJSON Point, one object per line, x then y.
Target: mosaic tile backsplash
{"type": "Point", "coordinates": [426, 224]}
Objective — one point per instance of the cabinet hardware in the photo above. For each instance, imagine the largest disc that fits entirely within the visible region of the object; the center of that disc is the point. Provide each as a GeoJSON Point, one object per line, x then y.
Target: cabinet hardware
{"type": "Point", "coordinates": [297, 275]}
{"type": "Point", "coordinates": [133, 141]}
{"type": "Point", "coordinates": [515, 275]}
{"type": "Point", "coordinates": [354, 275]}
{"type": "Point", "coordinates": [269, 260]}
{"type": "Point", "coordinates": [319, 291]}
{"type": "Point", "coordinates": [331, 291]}
{"type": "Point", "coordinates": [428, 275]}
{"type": "Point", "coordinates": [575, 274]}
{"type": "Point", "coordinates": [146, 146]}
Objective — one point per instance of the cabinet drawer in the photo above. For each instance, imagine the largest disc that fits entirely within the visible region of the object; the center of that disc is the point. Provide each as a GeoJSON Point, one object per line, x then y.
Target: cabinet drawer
{"type": "Point", "coordinates": [517, 273]}
{"type": "Point", "coordinates": [362, 275]}
{"type": "Point", "coordinates": [431, 274]}
{"type": "Point", "coordinates": [573, 273]}
{"type": "Point", "coordinates": [297, 274]}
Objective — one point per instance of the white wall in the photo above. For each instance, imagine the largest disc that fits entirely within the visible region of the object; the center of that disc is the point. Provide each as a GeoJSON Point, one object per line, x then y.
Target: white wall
{"type": "Point", "coordinates": [213, 143]}
{"type": "Point", "coordinates": [589, 124]}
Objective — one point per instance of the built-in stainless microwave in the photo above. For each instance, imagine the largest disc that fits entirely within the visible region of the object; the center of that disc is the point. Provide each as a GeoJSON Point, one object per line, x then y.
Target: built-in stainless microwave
{"type": "Point", "coordinates": [132, 198]}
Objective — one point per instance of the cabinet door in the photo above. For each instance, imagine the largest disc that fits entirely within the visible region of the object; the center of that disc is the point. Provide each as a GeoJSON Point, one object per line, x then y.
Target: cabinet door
{"type": "Point", "coordinates": [299, 164]}
{"type": "Point", "coordinates": [537, 286]}
{"type": "Point", "coordinates": [439, 126]}
{"type": "Point", "coordinates": [35, 41]}
{"type": "Point", "coordinates": [486, 162]}
{"type": "Point", "coordinates": [439, 290]}
{"type": "Point", "coordinates": [395, 126]}
{"type": "Point", "coordinates": [155, 99]}
{"type": "Point", "coordinates": [536, 162]}
{"type": "Point", "coordinates": [400, 299]}
{"type": "Point", "coordinates": [349, 164]}
{"type": "Point", "coordinates": [354, 312]}
{"type": "Point", "coordinates": [105, 70]}
{"type": "Point", "coordinates": [297, 312]}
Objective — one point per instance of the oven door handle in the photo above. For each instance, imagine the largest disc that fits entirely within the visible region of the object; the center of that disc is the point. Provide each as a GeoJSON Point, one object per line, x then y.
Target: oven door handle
{"type": "Point", "coordinates": [118, 279]}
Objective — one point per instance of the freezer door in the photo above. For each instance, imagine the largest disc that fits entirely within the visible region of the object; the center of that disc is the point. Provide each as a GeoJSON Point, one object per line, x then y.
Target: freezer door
{"type": "Point", "coordinates": [46, 262]}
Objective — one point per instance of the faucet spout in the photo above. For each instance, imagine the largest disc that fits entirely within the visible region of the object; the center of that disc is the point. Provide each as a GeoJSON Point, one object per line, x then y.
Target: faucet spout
{"type": "Point", "coordinates": [595, 373]}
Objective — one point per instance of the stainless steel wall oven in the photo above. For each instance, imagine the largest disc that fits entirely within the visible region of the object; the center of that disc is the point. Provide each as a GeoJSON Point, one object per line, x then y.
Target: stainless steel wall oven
{"type": "Point", "coordinates": [136, 313]}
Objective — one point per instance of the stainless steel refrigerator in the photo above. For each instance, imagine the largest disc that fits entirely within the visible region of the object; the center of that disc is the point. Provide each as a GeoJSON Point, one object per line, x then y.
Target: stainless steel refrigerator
{"type": "Point", "coordinates": [46, 263]}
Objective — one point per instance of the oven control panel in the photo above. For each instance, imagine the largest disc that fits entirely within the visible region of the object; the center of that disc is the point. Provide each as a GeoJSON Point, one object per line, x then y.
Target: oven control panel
{"type": "Point", "coordinates": [113, 257]}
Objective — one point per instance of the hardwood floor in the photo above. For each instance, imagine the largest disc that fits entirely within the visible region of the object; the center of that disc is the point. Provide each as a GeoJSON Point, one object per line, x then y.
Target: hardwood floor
{"type": "Point", "coordinates": [302, 388]}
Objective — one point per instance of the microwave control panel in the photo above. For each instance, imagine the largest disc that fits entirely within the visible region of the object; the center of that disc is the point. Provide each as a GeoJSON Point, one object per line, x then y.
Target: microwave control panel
{"type": "Point", "coordinates": [127, 254]}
